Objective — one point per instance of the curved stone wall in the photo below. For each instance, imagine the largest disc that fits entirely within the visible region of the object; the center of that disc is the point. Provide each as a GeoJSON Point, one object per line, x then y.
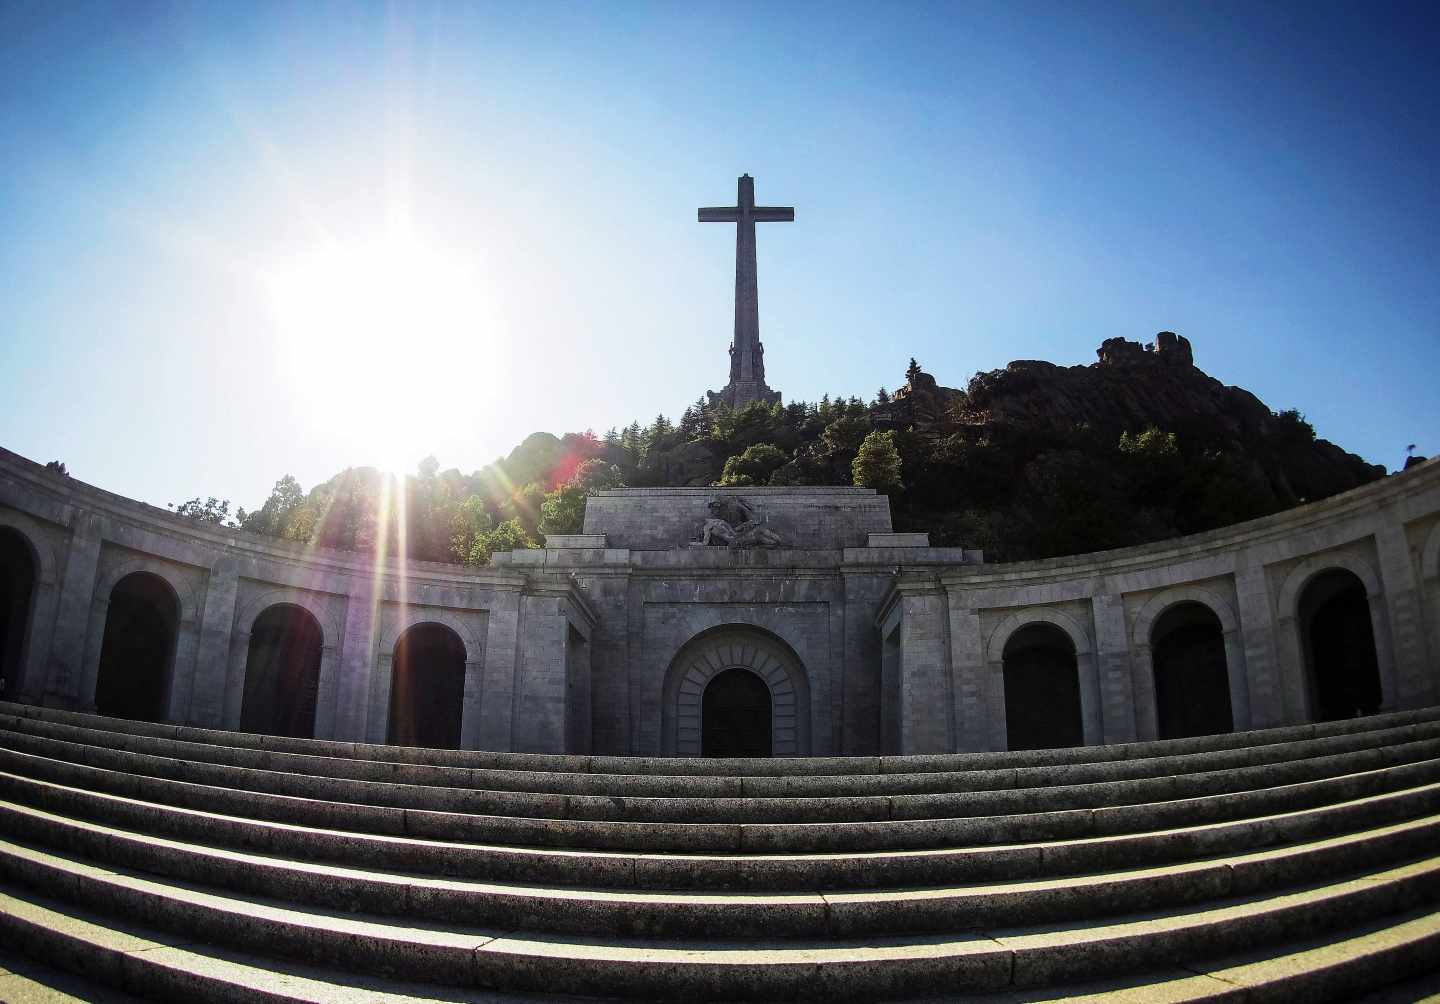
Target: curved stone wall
{"type": "Point", "coordinates": [85, 540]}
{"type": "Point", "coordinates": [1250, 576]}
{"type": "Point", "coordinates": [896, 650]}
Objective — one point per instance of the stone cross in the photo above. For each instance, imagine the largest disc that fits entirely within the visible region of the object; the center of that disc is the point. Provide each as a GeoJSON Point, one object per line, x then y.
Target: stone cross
{"type": "Point", "coordinates": [747, 355]}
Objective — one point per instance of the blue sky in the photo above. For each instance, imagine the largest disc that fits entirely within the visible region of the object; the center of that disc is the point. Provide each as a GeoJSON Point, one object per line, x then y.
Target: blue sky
{"type": "Point", "coordinates": [244, 240]}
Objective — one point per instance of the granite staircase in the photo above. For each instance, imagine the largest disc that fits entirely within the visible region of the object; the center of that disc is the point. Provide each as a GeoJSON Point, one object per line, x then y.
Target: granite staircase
{"type": "Point", "coordinates": [178, 863]}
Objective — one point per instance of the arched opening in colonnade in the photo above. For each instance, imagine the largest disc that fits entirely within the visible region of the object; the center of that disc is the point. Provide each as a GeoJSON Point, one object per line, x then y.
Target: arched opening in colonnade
{"type": "Point", "coordinates": [427, 688]}
{"type": "Point", "coordinates": [1341, 667]}
{"type": "Point", "coordinates": [735, 715]}
{"type": "Point", "coordinates": [1192, 683]}
{"type": "Point", "coordinates": [17, 587]}
{"type": "Point", "coordinates": [138, 650]}
{"type": "Point", "coordinates": [1042, 690]}
{"type": "Point", "coordinates": [282, 673]}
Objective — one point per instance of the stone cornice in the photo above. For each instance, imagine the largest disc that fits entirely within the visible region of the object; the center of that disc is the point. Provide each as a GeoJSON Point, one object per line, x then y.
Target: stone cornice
{"type": "Point", "coordinates": [908, 582]}
{"type": "Point", "coordinates": [1394, 490]}
{"type": "Point", "coordinates": [66, 498]}
{"type": "Point", "coordinates": [565, 587]}
{"type": "Point", "coordinates": [75, 497]}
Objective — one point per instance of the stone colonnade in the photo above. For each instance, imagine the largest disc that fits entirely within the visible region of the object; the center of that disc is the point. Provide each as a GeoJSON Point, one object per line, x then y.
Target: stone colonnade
{"type": "Point", "coordinates": [895, 648]}
{"type": "Point", "coordinates": [951, 626]}
{"type": "Point", "coordinates": [85, 542]}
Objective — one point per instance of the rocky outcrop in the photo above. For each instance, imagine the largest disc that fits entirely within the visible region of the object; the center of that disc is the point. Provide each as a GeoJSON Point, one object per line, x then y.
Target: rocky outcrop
{"type": "Point", "coordinates": [1134, 386]}
{"type": "Point", "coordinates": [920, 403]}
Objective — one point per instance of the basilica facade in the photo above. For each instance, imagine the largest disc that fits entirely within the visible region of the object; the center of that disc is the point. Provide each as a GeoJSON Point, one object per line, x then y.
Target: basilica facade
{"type": "Point", "coordinates": [717, 622]}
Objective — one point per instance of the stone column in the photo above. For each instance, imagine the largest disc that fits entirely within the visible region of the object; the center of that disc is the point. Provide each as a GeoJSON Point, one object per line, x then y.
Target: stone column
{"type": "Point", "coordinates": [1430, 594]}
{"type": "Point", "coordinates": [94, 644]}
{"type": "Point", "coordinates": [30, 687]}
{"type": "Point", "coordinates": [65, 671]}
{"type": "Point", "coordinates": [1239, 680]}
{"type": "Point", "coordinates": [472, 701]}
{"type": "Point", "coordinates": [1384, 649]}
{"type": "Point", "coordinates": [235, 678]}
{"type": "Point", "coordinates": [377, 719]}
{"type": "Point", "coordinates": [1407, 623]}
{"type": "Point", "coordinates": [206, 700]}
{"type": "Point", "coordinates": [327, 694]}
{"type": "Point", "coordinates": [1294, 701]}
{"type": "Point", "coordinates": [352, 695]}
{"type": "Point", "coordinates": [1258, 637]}
{"type": "Point", "coordinates": [1113, 674]}
{"type": "Point", "coordinates": [1087, 666]}
{"type": "Point", "coordinates": [999, 732]}
{"type": "Point", "coordinates": [182, 668]}
{"type": "Point", "coordinates": [1142, 677]}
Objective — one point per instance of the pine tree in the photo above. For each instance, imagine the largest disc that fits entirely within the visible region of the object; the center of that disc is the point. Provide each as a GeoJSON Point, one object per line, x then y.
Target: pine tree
{"type": "Point", "coordinates": [690, 424]}
{"type": "Point", "coordinates": [877, 465]}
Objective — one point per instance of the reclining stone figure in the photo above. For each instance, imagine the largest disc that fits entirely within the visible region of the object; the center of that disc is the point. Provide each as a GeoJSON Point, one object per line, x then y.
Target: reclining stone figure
{"type": "Point", "coordinates": [733, 522]}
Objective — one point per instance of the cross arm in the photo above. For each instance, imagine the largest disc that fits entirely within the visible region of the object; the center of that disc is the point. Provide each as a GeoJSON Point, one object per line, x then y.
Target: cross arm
{"type": "Point", "coordinates": [720, 214]}
{"type": "Point", "coordinates": [774, 214]}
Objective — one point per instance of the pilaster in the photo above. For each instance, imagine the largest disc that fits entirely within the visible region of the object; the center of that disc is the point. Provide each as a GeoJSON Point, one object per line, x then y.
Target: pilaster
{"type": "Point", "coordinates": [65, 671]}
{"type": "Point", "coordinates": [925, 701]}
{"type": "Point", "coordinates": [968, 678]}
{"type": "Point", "coordinates": [352, 698]}
{"type": "Point", "coordinates": [490, 728]}
{"type": "Point", "coordinates": [1112, 657]}
{"type": "Point", "coordinates": [206, 705]}
{"type": "Point", "coordinates": [1407, 623]}
{"type": "Point", "coordinates": [235, 680]}
{"type": "Point", "coordinates": [1258, 638]}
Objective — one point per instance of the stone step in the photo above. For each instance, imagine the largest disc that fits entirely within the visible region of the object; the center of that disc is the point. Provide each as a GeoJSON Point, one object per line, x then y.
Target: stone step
{"type": "Point", "coordinates": [642, 912]}
{"type": "Point", "coordinates": [986, 959]}
{"type": "Point", "coordinates": [116, 957]}
{"type": "Point", "coordinates": [101, 958]}
{"type": "Point", "coordinates": [731, 872]}
{"type": "Point", "coordinates": [655, 785]}
{"type": "Point", "coordinates": [720, 767]}
{"type": "Point", "coordinates": [728, 838]}
{"type": "Point", "coordinates": [792, 810]}
{"type": "Point", "coordinates": [1424, 987]}
{"type": "Point", "coordinates": [1337, 967]}
{"type": "Point", "coordinates": [23, 980]}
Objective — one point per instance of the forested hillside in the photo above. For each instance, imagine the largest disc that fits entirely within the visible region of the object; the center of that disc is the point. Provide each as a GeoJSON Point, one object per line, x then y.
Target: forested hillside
{"type": "Point", "coordinates": [1030, 461]}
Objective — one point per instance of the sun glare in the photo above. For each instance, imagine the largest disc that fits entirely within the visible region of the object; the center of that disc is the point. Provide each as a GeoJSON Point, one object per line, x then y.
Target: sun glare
{"type": "Point", "coordinates": [384, 339]}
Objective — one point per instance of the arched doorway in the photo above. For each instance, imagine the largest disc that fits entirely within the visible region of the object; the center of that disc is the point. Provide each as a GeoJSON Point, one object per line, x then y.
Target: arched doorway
{"type": "Point", "coordinates": [138, 648]}
{"type": "Point", "coordinates": [1342, 670]}
{"type": "Point", "coordinates": [17, 586]}
{"type": "Point", "coordinates": [1042, 690]}
{"type": "Point", "coordinates": [1192, 683]}
{"type": "Point", "coordinates": [282, 673]}
{"type": "Point", "coordinates": [735, 717]}
{"type": "Point", "coordinates": [687, 700]}
{"type": "Point", "coordinates": [427, 686]}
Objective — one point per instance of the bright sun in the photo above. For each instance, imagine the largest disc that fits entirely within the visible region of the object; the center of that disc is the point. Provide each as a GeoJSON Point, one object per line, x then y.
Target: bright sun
{"type": "Point", "coordinates": [384, 342]}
